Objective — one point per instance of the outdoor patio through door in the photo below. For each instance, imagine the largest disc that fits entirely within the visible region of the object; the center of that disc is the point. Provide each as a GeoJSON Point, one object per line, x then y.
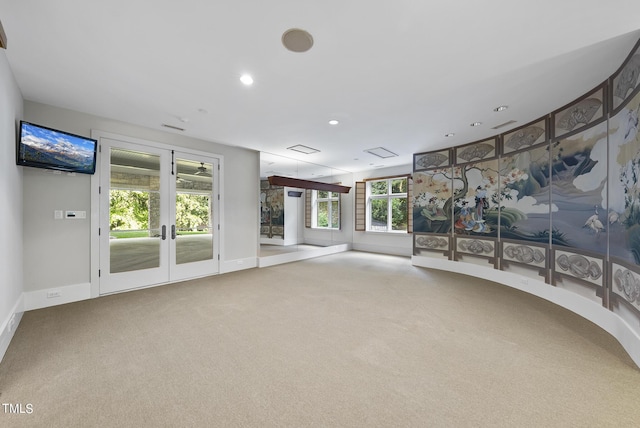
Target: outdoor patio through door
{"type": "Point", "coordinates": [158, 216]}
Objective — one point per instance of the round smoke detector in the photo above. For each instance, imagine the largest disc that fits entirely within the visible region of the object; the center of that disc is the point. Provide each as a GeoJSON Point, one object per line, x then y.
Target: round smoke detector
{"type": "Point", "coordinates": [297, 40]}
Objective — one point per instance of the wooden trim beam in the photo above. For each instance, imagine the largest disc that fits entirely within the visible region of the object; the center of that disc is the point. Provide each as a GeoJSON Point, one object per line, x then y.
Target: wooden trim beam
{"type": "Point", "coordinates": [388, 176]}
{"type": "Point", "coordinates": [3, 37]}
{"type": "Point", "coordinates": [277, 180]}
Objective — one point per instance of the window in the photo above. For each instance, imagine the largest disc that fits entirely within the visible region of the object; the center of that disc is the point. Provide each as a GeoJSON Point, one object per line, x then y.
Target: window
{"type": "Point", "coordinates": [326, 209]}
{"type": "Point", "coordinates": [387, 205]}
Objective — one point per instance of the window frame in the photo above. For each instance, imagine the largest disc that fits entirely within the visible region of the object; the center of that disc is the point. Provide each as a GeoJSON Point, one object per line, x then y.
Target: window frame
{"type": "Point", "coordinates": [389, 197]}
{"type": "Point", "coordinates": [315, 200]}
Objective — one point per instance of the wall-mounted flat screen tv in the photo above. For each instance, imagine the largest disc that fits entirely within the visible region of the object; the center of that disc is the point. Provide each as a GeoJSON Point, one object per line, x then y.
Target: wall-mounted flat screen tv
{"type": "Point", "coordinates": [42, 147]}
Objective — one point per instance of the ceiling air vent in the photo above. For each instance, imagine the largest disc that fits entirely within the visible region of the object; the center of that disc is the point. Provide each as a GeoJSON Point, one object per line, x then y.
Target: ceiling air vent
{"type": "Point", "coordinates": [303, 149]}
{"type": "Point", "coordinates": [504, 124]}
{"type": "Point", "coordinates": [381, 152]}
{"type": "Point", "coordinates": [172, 127]}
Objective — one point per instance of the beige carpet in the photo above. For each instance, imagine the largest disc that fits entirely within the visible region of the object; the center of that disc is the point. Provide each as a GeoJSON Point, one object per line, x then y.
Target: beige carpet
{"type": "Point", "coordinates": [347, 340]}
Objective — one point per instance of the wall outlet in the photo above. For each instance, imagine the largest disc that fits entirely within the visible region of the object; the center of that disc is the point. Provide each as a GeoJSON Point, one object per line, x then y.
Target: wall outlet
{"type": "Point", "coordinates": [52, 294]}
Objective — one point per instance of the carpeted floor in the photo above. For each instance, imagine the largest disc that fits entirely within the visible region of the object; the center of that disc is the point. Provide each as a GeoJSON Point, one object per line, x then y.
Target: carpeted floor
{"type": "Point", "coordinates": [347, 340]}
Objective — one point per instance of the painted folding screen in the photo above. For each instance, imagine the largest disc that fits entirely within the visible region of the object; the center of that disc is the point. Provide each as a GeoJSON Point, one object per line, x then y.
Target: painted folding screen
{"type": "Point", "coordinates": [431, 196]}
{"type": "Point", "coordinates": [624, 190]}
{"type": "Point", "coordinates": [524, 195]}
{"type": "Point", "coordinates": [579, 191]}
{"type": "Point", "coordinates": [475, 189]}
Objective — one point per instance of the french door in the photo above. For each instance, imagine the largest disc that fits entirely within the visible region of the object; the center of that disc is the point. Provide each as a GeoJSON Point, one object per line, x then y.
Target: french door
{"type": "Point", "coordinates": [159, 211]}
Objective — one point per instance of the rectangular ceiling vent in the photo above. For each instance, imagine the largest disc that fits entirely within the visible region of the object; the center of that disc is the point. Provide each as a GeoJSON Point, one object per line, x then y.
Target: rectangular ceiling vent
{"type": "Point", "coordinates": [381, 152]}
{"type": "Point", "coordinates": [504, 124]}
{"type": "Point", "coordinates": [172, 127]}
{"type": "Point", "coordinates": [303, 149]}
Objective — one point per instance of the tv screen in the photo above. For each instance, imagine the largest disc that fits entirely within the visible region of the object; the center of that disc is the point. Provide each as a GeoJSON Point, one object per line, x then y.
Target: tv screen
{"type": "Point", "coordinates": [42, 147]}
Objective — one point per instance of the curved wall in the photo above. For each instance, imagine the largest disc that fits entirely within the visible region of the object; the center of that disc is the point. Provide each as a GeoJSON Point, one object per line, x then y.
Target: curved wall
{"type": "Point", "coordinates": [551, 208]}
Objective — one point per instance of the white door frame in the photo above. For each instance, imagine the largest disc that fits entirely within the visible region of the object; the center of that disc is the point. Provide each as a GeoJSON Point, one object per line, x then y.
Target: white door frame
{"type": "Point", "coordinates": [95, 200]}
{"type": "Point", "coordinates": [116, 282]}
{"type": "Point", "coordinates": [189, 270]}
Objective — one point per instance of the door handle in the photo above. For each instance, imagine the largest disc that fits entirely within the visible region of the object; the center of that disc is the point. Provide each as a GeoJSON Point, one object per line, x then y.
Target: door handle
{"type": "Point", "coordinates": [164, 232]}
{"type": "Point", "coordinates": [173, 231]}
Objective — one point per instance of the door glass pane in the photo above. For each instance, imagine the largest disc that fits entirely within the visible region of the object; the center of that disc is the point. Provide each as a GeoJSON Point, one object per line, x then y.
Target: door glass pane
{"type": "Point", "coordinates": [194, 219]}
{"type": "Point", "coordinates": [134, 211]}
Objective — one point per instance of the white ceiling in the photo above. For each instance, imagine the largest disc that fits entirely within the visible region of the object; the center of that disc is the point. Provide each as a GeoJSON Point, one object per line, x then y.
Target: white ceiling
{"type": "Point", "coordinates": [398, 75]}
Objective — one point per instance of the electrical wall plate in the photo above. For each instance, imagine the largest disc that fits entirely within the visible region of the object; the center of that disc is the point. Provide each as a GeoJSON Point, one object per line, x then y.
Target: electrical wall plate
{"type": "Point", "coordinates": [73, 215]}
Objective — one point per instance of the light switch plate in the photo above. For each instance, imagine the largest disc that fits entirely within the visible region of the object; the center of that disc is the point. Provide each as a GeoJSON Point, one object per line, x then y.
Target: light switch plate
{"type": "Point", "coordinates": [75, 215]}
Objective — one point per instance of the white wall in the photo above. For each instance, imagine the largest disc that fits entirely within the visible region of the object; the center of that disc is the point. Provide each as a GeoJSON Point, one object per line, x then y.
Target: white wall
{"type": "Point", "coordinates": [62, 247]}
{"type": "Point", "coordinates": [11, 261]}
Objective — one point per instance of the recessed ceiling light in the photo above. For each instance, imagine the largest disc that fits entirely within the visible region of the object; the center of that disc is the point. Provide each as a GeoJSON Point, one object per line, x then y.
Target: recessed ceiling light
{"type": "Point", "coordinates": [501, 108]}
{"type": "Point", "coordinates": [476, 124]}
{"type": "Point", "coordinates": [333, 122]}
{"type": "Point", "coordinates": [246, 79]}
{"type": "Point", "coordinates": [450, 134]}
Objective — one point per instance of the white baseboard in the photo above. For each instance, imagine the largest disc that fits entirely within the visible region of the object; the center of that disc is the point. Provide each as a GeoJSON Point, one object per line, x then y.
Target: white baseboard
{"type": "Point", "coordinates": [383, 249]}
{"type": "Point", "coordinates": [238, 264]}
{"type": "Point", "coordinates": [295, 256]}
{"type": "Point", "coordinates": [56, 296]}
{"type": "Point", "coordinates": [588, 309]}
{"type": "Point", "coordinates": [9, 326]}
{"type": "Point", "coordinates": [321, 242]}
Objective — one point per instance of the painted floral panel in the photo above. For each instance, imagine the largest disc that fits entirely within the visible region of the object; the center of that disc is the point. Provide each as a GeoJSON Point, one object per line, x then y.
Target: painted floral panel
{"type": "Point", "coordinates": [524, 195]}
{"type": "Point", "coordinates": [432, 199]}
